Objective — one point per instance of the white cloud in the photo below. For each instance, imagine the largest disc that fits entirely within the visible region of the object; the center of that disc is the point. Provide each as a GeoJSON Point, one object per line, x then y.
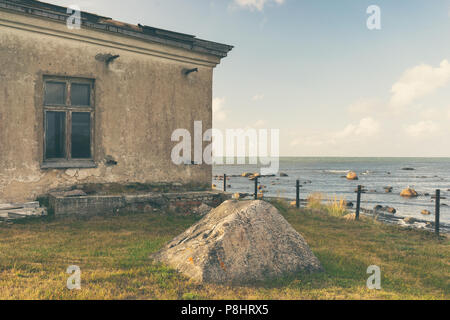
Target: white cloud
{"type": "Point", "coordinates": [422, 129]}
{"type": "Point", "coordinates": [312, 141]}
{"type": "Point", "coordinates": [364, 107]}
{"type": "Point", "coordinates": [219, 113]}
{"type": "Point", "coordinates": [419, 81]}
{"type": "Point", "coordinates": [367, 127]}
{"type": "Point", "coordinates": [430, 114]}
{"type": "Point", "coordinates": [256, 4]}
{"type": "Point", "coordinates": [260, 124]}
{"type": "Point", "coordinates": [258, 97]}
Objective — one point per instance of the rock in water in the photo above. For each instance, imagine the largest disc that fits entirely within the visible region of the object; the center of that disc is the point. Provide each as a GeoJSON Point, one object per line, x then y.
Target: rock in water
{"type": "Point", "coordinates": [388, 189]}
{"type": "Point", "coordinates": [352, 176]}
{"type": "Point", "coordinates": [409, 193]}
{"type": "Point", "coordinates": [239, 242]}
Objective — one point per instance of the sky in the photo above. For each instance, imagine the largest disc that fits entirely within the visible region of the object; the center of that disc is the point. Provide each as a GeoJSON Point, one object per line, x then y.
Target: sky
{"type": "Point", "coordinates": [315, 71]}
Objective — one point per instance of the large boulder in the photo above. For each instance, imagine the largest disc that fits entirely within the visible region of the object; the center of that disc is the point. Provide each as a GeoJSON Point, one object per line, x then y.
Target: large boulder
{"type": "Point", "coordinates": [239, 242]}
{"type": "Point", "coordinates": [202, 210]}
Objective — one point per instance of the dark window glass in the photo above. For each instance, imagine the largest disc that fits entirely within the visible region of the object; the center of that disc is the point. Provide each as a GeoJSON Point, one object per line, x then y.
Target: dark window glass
{"type": "Point", "coordinates": [55, 135]}
{"type": "Point", "coordinates": [55, 93]}
{"type": "Point", "coordinates": [80, 94]}
{"type": "Point", "coordinates": [81, 135]}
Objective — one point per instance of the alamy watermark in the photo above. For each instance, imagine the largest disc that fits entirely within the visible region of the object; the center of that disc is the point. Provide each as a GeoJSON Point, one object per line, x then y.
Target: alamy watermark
{"type": "Point", "coordinates": [74, 20]}
{"type": "Point", "coordinates": [233, 146]}
{"type": "Point", "coordinates": [74, 281]}
{"type": "Point", "coordinates": [374, 281]}
{"type": "Point", "coordinates": [374, 20]}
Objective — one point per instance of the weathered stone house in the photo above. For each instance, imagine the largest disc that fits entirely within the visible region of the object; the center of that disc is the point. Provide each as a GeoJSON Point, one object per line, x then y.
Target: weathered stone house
{"type": "Point", "coordinates": [96, 104]}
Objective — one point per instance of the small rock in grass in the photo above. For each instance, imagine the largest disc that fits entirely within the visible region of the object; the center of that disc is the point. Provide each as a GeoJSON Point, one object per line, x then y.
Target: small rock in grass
{"type": "Point", "coordinates": [409, 220]}
{"type": "Point", "coordinates": [349, 204]}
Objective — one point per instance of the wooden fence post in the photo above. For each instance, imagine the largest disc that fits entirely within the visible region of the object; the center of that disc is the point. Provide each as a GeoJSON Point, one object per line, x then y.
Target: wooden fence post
{"type": "Point", "coordinates": [256, 188]}
{"type": "Point", "coordinates": [437, 212]}
{"type": "Point", "coordinates": [297, 195]}
{"type": "Point", "coordinates": [358, 202]}
{"type": "Point", "coordinates": [224, 182]}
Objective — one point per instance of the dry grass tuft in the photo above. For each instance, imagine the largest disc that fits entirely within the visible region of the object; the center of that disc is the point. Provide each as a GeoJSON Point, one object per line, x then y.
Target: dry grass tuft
{"type": "Point", "coordinates": [335, 207]}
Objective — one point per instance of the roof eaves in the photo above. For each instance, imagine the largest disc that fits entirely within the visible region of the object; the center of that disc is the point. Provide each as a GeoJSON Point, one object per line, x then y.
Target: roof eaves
{"type": "Point", "coordinates": [145, 33]}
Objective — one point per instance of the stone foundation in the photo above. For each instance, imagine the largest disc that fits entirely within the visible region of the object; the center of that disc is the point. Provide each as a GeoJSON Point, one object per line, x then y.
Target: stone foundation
{"type": "Point", "coordinates": [61, 205]}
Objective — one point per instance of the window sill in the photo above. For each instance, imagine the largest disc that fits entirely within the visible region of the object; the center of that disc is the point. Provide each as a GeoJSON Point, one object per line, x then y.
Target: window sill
{"type": "Point", "coordinates": [75, 164]}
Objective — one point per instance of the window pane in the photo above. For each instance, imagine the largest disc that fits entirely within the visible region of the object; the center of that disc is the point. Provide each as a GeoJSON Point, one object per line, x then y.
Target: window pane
{"type": "Point", "coordinates": [55, 135]}
{"type": "Point", "coordinates": [81, 135]}
{"type": "Point", "coordinates": [55, 93]}
{"type": "Point", "coordinates": [80, 94]}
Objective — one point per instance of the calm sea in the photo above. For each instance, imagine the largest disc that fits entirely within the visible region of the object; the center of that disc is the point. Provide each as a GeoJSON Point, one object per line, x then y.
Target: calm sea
{"type": "Point", "coordinates": [325, 175]}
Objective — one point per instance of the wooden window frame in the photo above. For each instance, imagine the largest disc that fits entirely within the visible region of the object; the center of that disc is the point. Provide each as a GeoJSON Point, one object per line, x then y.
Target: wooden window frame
{"type": "Point", "coordinates": [68, 109]}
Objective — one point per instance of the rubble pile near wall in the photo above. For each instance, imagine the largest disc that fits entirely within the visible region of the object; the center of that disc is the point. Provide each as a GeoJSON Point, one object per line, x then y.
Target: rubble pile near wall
{"type": "Point", "coordinates": [15, 211]}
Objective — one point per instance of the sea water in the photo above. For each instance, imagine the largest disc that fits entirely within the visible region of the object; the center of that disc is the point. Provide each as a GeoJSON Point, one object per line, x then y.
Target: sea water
{"type": "Point", "coordinates": [327, 176]}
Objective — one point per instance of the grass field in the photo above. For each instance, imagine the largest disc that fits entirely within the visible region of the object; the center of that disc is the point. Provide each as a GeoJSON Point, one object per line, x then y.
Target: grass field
{"type": "Point", "coordinates": [113, 251]}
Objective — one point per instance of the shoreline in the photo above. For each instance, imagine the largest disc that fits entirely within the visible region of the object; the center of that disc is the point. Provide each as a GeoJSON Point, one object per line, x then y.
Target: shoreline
{"type": "Point", "coordinates": [393, 219]}
{"type": "Point", "coordinates": [384, 184]}
{"type": "Point", "coordinates": [400, 221]}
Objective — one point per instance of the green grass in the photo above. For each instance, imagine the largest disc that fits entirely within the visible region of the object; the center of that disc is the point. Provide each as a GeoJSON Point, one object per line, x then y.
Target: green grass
{"type": "Point", "coordinates": [113, 252]}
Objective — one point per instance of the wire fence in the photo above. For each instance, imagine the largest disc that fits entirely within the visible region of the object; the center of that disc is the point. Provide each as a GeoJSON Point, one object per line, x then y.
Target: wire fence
{"type": "Point", "coordinates": [359, 193]}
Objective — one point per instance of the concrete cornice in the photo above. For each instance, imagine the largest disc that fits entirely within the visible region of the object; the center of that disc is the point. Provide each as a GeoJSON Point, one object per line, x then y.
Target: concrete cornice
{"type": "Point", "coordinates": [151, 41]}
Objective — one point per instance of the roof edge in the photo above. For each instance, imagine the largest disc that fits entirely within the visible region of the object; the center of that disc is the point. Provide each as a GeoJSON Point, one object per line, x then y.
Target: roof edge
{"type": "Point", "coordinates": [141, 32]}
